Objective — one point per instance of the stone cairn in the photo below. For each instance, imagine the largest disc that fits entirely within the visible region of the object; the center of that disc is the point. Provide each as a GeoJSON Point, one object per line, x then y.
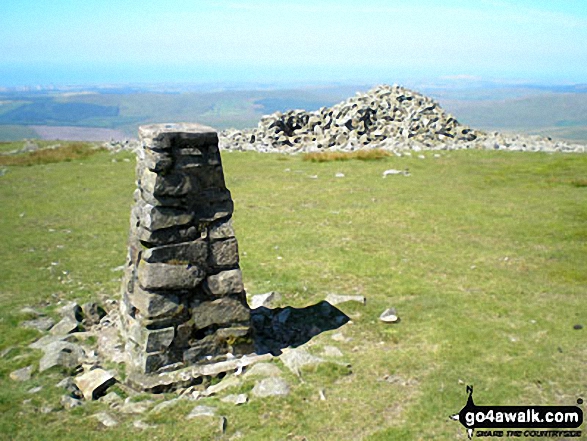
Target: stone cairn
{"type": "Point", "coordinates": [183, 300]}
{"type": "Point", "coordinates": [392, 118]}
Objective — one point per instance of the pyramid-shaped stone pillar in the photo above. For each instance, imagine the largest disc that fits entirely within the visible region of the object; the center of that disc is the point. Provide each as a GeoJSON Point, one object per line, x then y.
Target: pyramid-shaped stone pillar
{"type": "Point", "coordinates": [183, 301]}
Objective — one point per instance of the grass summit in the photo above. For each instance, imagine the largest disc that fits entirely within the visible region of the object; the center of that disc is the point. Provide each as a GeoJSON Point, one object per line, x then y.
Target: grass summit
{"type": "Point", "coordinates": [482, 253]}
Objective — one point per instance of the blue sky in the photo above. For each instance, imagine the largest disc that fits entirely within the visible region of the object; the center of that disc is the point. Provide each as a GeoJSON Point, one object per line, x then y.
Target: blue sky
{"type": "Point", "coordinates": [113, 41]}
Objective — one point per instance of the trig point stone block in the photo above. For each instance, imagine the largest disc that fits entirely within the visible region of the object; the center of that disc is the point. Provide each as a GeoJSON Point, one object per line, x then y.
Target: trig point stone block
{"type": "Point", "coordinates": [183, 301]}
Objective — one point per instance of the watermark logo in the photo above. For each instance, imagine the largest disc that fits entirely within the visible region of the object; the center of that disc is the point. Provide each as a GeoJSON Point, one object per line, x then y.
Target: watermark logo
{"type": "Point", "coordinates": [520, 421]}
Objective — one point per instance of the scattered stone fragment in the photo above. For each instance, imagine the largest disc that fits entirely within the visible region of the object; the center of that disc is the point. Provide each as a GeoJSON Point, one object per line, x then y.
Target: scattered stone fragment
{"type": "Point", "coordinates": [321, 395]}
{"type": "Point", "coordinates": [141, 425]}
{"type": "Point", "coordinates": [332, 351]}
{"type": "Point", "coordinates": [389, 316]}
{"type": "Point", "coordinates": [262, 370]}
{"type": "Point", "coordinates": [272, 386]}
{"type": "Point", "coordinates": [31, 312]}
{"type": "Point", "coordinates": [339, 175]}
{"type": "Point", "coordinates": [46, 340]}
{"type": "Point", "coordinates": [337, 299]}
{"type": "Point", "coordinates": [94, 383]}
{"type": "Point", "coordinates": [295, 359]}
{"type": "Point", "coordinates": [112, 399]}
{"type": "Point", "coordinates": [92, 313]}
{"type": "Point", "coordinates": [135, 407]}
{"type": "Point", "coordinates": [393, 171]}
{"type": "Point", "coordinates": [106, 419]}
{"type": "Point", "coordinates": [339, 336]}
{"type": "Point", "coordinates": [235, 399]}
{"type": "Point", "coordinates": [23, 374]}
{"type": "Point", "coordinates": [63, 354]}
{"type": "Point", "coordinates": [69, 402]}
{"type": "Point", "coordinates": [201, 411]}
{"type": "Point", "coordinates": [219, 387]}
{"type": "Point", "coordinates": [35, 390]}
{"type": "Point", "coordinates": [165, 405]}
{"type": "Point", "coordinates": [66, 325]}
{"type": "Point", "coordinates": [40, 324]}
{"type": "Point", "coordinates": [265, 300]}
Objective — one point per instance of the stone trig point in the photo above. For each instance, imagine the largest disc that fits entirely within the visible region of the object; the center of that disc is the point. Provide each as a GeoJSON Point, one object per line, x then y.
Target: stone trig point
{"type": "Point", "coordinates": [183, 302]}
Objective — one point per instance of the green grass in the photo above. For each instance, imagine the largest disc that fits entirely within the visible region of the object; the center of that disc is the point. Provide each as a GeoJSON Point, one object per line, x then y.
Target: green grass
{"type": "Point", "coordinates": [482, 253]}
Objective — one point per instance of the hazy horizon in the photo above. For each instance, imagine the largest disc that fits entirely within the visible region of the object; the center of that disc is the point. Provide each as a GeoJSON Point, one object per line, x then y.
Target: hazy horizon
{"type": "Point", "coordinates": [106, 42]}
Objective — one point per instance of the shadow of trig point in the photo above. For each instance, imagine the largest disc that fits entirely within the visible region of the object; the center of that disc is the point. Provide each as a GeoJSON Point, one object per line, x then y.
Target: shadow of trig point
{"type": "Point", "coordinates": [184, 315]}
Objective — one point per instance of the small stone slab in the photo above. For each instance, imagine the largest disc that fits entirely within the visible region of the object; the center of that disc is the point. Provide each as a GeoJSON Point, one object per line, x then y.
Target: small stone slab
{"type": "Point", "coordinates": [269, 387]}
{"type": "Point", "coordinates": [23, 374]}
{"type": "Point", "coordinates": [66, 325]}
{"type": "Point", "coordinates": [154, 276]}
{"type": "Point", "coordinates": [201, 411]}
{"type": "Point", "coordinates": [69, 402]}
{"type": "Point", "coordinates": [332, 351]}
{"type": "Point", "coordinates": [63, 354]}
{"type": "Point", "coordinates": [106, 419]}
{"type": "Point", "coordinates": [94, 383]}
{"type": "Point", "coordinates": [225, 283]}
{"type": "Point", "coordinates": [294, 359]}
{"type": "Point", "coordinates": [235, 399]}
{"type": "Point", "coordinates": [265, 300]}
{"type": "Point", "coordinates": [336, 299]}
{"type": "Point", "coordinates": [389, 316]}
{"type": "Point", "coordinates": [40, 324]}
{"type": "Point", "coordinates": [263, 370]}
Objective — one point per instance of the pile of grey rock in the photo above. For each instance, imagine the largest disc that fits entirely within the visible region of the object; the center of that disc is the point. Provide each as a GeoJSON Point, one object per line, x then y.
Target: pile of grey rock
{"type": "Point", "coordinates": [183, 297]}
{"type": "Point", "coordinates": [387, 117]}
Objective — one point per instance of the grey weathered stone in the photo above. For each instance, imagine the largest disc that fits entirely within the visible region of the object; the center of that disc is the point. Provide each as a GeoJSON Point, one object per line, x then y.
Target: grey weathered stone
{"type": "Point", "coordinates": [66, 325]}
{"type": "Point", "coordinates": [23, 374]}
{"type": "Point", "coordinates": [92, 313]}
{"type": "Point", "coordinates": [94, 383]}
{"type": "Point", "coordinates": [295, 359]}
{"type": "Point", "coordinates": [337, 299]}
{"type": "Point", "coordinates": [62, 354]}
{"type": "Point", "coordinates": [135, 407]}
{"type": "Point", "coordinates": [221, 312]}
{"type": "Point", "coordinates": [263, 370]}
{"type": "Point", "coordinates": [225, 283]}
{"type": "Point", "coordinates": [159, 218]}
{"type": "Point", "coordinates": [167, 185]}
{"type": "Point", "coordinates": [154, 276]}
{"type": "Point", "coordinates": [112, 399]}
{"type": "Point", "coordinates": [153, 305]}
{"type": "Point", "coordinates": [40, 324]}
{"type": "Point", "coordinates": [155, 340]}
{"type": "Point", "coordinates": [46, 340]}
{"type": "Point", "coordinates": [332, 351]}
{"type": "Point", "coordinates": [194, 252]}
{"type": "Point", "coordinates": [106, 419]}
{"type": "Point", "coordinates": [272, 386]}
{"type": "Point", "coordinates": [265, 300]}
{"type": "Point", "coordinates": [69, 402]}
{"type": "Point", "coordinates": [201, 411]}
{"type": "Point", "coordinates": [235, 399]}
{"type": "Point", "coordinates": [224, 253]}
{"type": "Point", "coordinates": [221, 230]}
{"type": "Point", "coordinates": [389, 316]}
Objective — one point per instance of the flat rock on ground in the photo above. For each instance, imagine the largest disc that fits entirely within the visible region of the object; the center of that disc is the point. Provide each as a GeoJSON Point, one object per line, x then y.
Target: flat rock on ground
{"type": "Point", "coordinates": [272, 386]}
{"type": "Point", "coordinates": [94, 383]}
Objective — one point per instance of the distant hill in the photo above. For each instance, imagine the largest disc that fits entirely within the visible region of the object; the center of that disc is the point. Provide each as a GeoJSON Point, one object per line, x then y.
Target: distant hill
{"type": "Point", "coordinates": [557, 111]}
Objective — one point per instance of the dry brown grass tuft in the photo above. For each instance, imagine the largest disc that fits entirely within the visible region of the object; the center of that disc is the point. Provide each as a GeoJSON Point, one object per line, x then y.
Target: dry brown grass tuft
{"type": "Point", "coordinates": [363, 155]}
{"type": "Point", "coordinates": [70, 152]}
